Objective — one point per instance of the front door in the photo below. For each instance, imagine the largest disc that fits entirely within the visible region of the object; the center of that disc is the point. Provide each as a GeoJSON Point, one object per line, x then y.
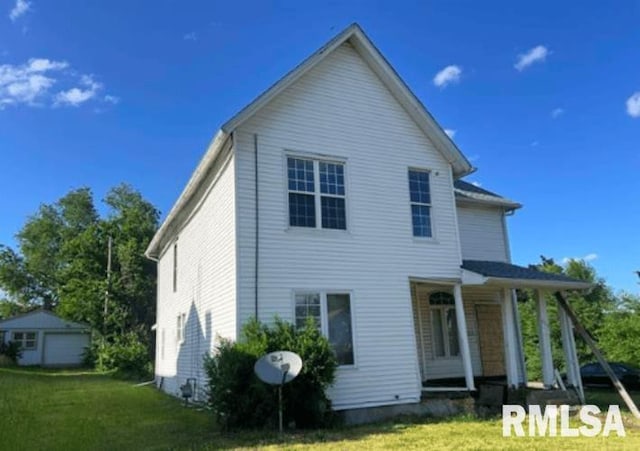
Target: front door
{"type": "Point", "coordinates": [491, 339]}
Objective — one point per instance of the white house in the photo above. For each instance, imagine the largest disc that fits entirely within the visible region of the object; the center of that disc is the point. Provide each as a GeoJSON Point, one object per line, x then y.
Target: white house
{"type": "Point", "coordinates": [46, 339]}
{"type": "Point", "coordinates": [336, 194]}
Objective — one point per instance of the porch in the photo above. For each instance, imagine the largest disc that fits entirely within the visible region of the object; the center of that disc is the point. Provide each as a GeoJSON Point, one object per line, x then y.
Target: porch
{"type": "Point", "coordinates": [468, 332]}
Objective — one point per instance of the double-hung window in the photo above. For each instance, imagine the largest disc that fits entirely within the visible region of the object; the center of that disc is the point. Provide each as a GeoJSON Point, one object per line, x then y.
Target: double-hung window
{"type": "Point", "coordinates": [420, 194]}
{"type": "Point", "coordinates": [331, 311]}
{"type": "Point", "coordinates": [180, 323]}
{"type": "Point", "coordinates": [28, 341]}
{"type": "Point", "coordinates": [444, 325]}
{"type": "Point", "coordinates": [317, 195]}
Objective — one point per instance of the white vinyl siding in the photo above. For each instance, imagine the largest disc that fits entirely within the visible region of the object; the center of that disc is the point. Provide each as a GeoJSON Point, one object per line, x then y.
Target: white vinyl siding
{"type": "Point", "coordinates": [206, 286]}
{"type": "Point", "coordinates": [482, 233]}
{"type": "Point", "coordinates": [341, 108]}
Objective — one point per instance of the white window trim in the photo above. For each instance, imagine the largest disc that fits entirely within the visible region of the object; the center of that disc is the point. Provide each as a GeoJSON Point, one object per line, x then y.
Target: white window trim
{"type": "Point", "coordinates": [433, 237]}
{"type": "Point", "coordinates": [324, 317]}
{"type": "Point", "coordinates": [181, 320]}
{"type": "Point", "coordinates": [442, 311]}
{"type": "Point", "coordinates": [317, 195]}
{"type": "Point", "coordinates": [21, 342]}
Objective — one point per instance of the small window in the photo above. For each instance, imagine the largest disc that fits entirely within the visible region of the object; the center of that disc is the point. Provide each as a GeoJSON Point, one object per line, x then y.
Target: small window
{"type": "Point", "coordinates": [332, 312]}
{"type": "Point", "coordinates": [181, 319]}
{"type": "Point", "coordinates": [28, 341]}
{"type": "Point", "coordinates": [175, 267]}
{"type": "Point", "coordinates": [444, 325]}
{"type": "Point", "coordinates": [316, 190]}
{"type": "Point", "coordinates": [420, 194]}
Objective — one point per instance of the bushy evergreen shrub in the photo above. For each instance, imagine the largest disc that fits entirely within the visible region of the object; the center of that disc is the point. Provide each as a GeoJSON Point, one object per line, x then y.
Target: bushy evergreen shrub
{"type": "Point", "coordinates": [11, 352]}
{"type": "Point", "coordinates": [240, 400]}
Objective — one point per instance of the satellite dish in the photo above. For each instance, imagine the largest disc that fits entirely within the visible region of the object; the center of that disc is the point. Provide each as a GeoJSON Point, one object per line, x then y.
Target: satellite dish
{"type": "Point", "coordinates": [278, 368]}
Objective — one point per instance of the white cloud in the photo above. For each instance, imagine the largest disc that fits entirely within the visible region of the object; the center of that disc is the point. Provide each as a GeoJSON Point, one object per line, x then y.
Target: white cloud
{"type": "Point", "coordinates": [31, 84]}
{"type": "Point", "coordinates": [190, 36]}
{"type": "Point", "coordinates": [450, 74]}
{"type": "Point", "coordinates": [77, 96]}
{"type": "Point", "coordinates": [633, 105]}
{"type": "Point", "coordinates": [587, 258]}
{"type": "Point", "coordinates": [27, 83]}
{"type": "Point", "coordinates": [21, 8]}
{"type": "Point", "coordinates": [557, 113]}
{"type": "Point", "coordinates": [536, 54]}
{"type": "Point", "coordinates": [112, 99]}
{"type": "Point", "coordinates": [451, 133]}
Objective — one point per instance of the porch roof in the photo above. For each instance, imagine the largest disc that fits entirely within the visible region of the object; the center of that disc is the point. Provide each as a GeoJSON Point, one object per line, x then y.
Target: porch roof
{"type": "Point", "coordinates": [482, 272]}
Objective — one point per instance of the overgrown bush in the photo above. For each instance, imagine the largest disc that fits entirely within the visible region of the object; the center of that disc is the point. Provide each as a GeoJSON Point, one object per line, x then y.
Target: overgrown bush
{"type": "Point", "coordinates": [240, 400]}
{"type": "Point", "coordinates": [126, 355]}
{"type": "Point", "coordinates": [11, 352]}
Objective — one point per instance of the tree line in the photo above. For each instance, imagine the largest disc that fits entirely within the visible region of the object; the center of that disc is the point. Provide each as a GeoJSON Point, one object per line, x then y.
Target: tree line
{"type": "Point", "coordinates": [60, 264]}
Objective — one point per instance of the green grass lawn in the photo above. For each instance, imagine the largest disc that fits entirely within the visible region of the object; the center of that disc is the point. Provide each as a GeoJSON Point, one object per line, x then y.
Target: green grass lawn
{"type": "Point", "coordinates": [74, 410]}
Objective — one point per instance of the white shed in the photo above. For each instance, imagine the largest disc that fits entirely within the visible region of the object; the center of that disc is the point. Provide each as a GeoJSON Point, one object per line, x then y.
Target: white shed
{"type": "Point", "coordinates": [46, 339]}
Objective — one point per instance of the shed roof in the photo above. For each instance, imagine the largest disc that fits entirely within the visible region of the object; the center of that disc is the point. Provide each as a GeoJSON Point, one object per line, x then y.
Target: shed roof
{"type": "Point", "coordinates": [40, 319]}
{"type": "Point", "coordinates": [466, 191]}
{"type": "Point", "coordinates": [515, 275]}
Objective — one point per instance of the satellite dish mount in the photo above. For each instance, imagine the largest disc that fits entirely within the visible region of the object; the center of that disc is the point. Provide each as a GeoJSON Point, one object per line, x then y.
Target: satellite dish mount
{"type": "Point", "coordinates": [278, 368]}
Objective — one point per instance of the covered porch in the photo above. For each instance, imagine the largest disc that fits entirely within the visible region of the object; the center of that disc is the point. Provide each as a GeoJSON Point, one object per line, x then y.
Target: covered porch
{"type": "Point", "coordinates": [468, 332]}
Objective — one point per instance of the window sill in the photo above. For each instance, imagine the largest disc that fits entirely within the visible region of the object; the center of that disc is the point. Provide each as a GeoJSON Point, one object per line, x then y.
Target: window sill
{"type": "Point", "coordinates": [314, 231]}
{"type": "Point", "coordinates": [425, 240]}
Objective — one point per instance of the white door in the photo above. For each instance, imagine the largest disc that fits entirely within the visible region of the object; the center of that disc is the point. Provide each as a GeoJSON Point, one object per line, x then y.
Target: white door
{"type": "Point", "coordinates": [64, 349]}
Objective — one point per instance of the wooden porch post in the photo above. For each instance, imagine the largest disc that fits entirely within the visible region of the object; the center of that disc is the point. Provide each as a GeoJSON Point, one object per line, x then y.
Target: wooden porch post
{"type": "Point", "coordinates": [522, 365]}
{"type": "Point", "coordinates": [570, 354]}
{"type": "Point", "coordinates": [463, 337]}
{"type": "Point", "coordinates": [544, 338]}
{"type": "Point", "coordinates": [510, 339]}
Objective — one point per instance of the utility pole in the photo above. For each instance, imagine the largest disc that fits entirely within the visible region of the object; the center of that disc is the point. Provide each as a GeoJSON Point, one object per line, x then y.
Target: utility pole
{"type": "Point", "coordinates": [106, 299]}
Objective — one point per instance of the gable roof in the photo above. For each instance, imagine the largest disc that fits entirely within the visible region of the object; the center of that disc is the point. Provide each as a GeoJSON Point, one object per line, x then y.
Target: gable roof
{"type": "Point", "coordinates": [380, 66]}
{"type": "Point", "coordinates": [466, 191]}
{"type": "Point", "coordinates": [60, 322]}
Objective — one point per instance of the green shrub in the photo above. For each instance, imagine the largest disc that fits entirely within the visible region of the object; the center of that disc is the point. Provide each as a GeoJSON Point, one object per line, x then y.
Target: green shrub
{"type": "Point", "coordinates": [240, 400]}
{"type": "Point", "coordinates": [11, 351]}
{"type": "Point", "coordinates": [126, 355]}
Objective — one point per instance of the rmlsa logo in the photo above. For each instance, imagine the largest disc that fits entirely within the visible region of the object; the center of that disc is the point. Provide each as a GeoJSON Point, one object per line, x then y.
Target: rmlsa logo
{"type": "Point", "coordinates": [546, 423]}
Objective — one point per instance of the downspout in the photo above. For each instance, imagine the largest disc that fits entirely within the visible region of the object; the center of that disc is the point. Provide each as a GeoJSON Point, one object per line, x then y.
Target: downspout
{"type": "Point", "coordinates": [257, 211]}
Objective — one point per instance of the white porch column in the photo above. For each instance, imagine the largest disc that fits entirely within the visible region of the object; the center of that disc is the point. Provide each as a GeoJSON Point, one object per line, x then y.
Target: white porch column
{"type": "Point", "coordinates": [463, 337]}
{"type": "Point", "coordinates": [544, 338]}
{"type": "Point", "coordinates": [522, 365]}
{"type": "Point", "coordinates": [570, 353]}
{"type": "Point", "coordinates": [510, 339]}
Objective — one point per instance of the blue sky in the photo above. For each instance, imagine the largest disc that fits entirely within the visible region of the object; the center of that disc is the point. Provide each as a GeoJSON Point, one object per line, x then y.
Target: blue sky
{"type": "Point", "coordinates": [93, 95]}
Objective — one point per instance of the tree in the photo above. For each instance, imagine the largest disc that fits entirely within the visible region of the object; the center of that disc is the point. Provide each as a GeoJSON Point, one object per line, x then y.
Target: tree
{"type": "Point", "coordinates": [61, 259]}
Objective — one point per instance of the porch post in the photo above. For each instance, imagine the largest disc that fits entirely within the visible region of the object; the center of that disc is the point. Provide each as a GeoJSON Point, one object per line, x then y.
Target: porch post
{"type": "Point", "coordinates": [522, 365]}
{"type": "Point", "coordinates": [463, 337]}
{"type": "Point", "coordinates": [510, 339]}
{"type": "Point", "coordinates": [570, 353]}
{"type": "Point", "coordinates": [544, 338]}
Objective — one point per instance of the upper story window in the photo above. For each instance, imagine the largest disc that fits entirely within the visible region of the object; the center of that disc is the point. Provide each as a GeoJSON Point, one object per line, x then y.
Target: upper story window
{"type": "Point", "coordinates": [317, 196]}
{"type": "Point", "coordinates": [175, 267]}
{"type": "Point", "coordinates": [332, 314]}
{"type": "Point", "coordinates": [444, 325]}
{"type": "Point", "coordinates": [181, 321]}
{"type": "Point", "coordinates": [420, 193]}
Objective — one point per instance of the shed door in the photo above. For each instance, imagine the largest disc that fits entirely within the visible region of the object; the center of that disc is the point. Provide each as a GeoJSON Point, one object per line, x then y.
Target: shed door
{"type": "Point", "coordinates": [491, 339]}
{"type": "Point", "coordinates": [64, 349]}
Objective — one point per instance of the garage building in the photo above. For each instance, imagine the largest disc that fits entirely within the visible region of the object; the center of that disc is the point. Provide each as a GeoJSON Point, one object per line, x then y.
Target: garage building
{"type": "Point", "coordinates": [46, 339]}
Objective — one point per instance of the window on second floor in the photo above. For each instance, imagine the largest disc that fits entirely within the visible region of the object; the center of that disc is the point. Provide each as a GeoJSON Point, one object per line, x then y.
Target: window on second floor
{"type": "Point", "coordinates": [317, 195]}
{"type": "Point", "coordinates": [180, 324]}
{"type": "Point", "coordinates": [420, 194]}
{"type": "Point", "coordinates": [175, 267]}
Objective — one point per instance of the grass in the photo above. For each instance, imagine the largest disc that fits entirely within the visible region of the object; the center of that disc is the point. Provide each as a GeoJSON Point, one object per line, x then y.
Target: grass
{"type": "Point", "coordinates": [80, 410]}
